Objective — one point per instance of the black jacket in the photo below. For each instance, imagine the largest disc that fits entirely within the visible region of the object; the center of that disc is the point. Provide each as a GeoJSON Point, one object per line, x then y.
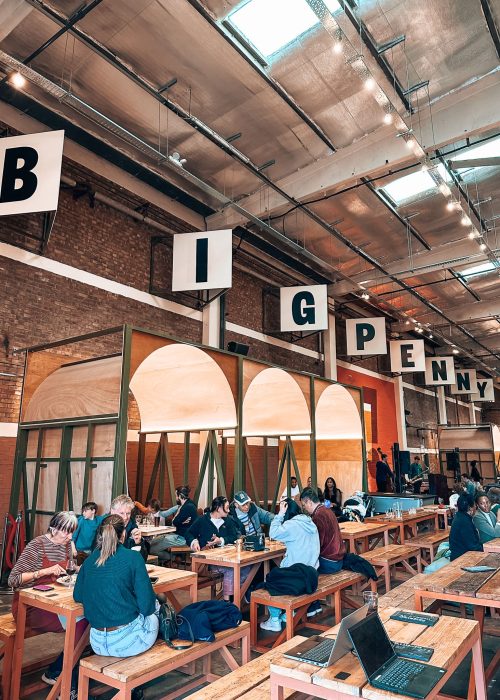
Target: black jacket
{"type": "Point", "coordinates": [203, 530]}
{"type": "Point", "coordinates": [291, 580]}
{"type": "Point", "coordinates": [208, 617]}
{"type": "Point", "coordinates": [464, 536]}
{"type": "Point", "coordinates": [186, 516]}
{"type": "Point", "coordinates": [353, 562]}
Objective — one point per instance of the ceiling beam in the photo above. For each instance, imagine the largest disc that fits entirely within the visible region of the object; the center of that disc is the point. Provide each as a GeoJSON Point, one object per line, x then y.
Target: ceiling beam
{"type": "Point", "coordinates": [468, 112]}
{"type": "Point", "coordinates": [474, 311]}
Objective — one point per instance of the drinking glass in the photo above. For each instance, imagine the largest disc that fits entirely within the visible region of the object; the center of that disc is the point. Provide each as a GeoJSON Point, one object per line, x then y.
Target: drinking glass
{"type": "Point", "coordinates": [370, 598]}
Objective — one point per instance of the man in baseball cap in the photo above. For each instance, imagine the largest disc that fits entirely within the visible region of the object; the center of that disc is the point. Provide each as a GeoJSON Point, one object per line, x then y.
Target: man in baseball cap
{"type": "Point", "coordinates": [248, 517]}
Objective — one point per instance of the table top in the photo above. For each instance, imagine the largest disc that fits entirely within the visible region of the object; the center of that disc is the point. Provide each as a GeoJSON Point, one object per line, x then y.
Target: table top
{"type": "Point", "coordinates": [229, 554]}
{"type": "Point", "coordinates": [365, 528]}
{"type": "Point", "coordinates": [62, 596]}
{"type": "Point", "coordinates": [153, 531]}
{"type": "Point", "coordinates": [492, 545]}
{"type": "Point", "coordinates": [451, 579]}
{"type": "Point", "coordinates": [405, 517]}
{"type": "Point", "coordinates": [448, 637]}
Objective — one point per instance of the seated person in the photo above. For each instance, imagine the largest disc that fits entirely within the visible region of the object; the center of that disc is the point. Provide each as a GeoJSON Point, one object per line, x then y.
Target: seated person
{"type": "Point", "coordinates": [123, 617]}
{"type": "Point", "coordinates": [332, 496]}
{"type": "Point", "coordinates": [464, 536]}
{"type": "Point", "coordinates": [300, 535]}
{"type": "Point", "coordinates": [469, 485]}
{"type": "Point", "coordinates": [123, 506]}
{"type": "Point", "coordinates": [41, 562]}
{"type": "Point", "coordinates": [458, 488]}
{"type": "Point", "coordinates": [294, 489]}
{"type": "Point", "coordinates": [249, 518]}
{"type": "Point", "coordinates": [494, 496]}
{"type": "Point", "coordinates": [485, 520]}
{"type": "Point", "coordinates": [215, 529]}
{"type": "Point", "coordinates": [86, 530]}
{"type": "Point", "coordinates": [152, 507]}
{"type": "Point", "coordinates": [184, 514]}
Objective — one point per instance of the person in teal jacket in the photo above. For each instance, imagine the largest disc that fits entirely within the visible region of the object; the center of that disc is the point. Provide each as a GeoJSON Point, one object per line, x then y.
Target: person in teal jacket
{"type": "Point", "coordinates": [86, 530]}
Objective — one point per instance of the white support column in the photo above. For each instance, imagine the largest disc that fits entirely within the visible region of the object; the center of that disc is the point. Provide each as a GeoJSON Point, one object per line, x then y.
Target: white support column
{"type": "Point", "coordinates": [330, 349]}
{"type": "Point", "coordinates": [400, 413]}
{"type": "Point", "coordinates": [472, 413]}
{"type": "Point", "coordinates": [442, 416]}
{"type": "Point", "coordinates": [210, 336]}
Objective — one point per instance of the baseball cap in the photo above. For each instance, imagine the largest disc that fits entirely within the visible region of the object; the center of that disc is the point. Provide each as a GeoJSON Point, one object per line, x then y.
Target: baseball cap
{"type": "Point", "coordinates": [241, 497]}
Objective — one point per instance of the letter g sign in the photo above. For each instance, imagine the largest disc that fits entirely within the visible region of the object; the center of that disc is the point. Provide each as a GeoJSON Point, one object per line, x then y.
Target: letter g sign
{"type": "Point", "coordinates": [304, 308]}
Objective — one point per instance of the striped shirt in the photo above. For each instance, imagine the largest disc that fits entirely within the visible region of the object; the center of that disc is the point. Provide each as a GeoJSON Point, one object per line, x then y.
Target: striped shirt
{"type": "Point", "coordinates": [247, 523]}
{"type": "Point", "coordinates": [31, 559]}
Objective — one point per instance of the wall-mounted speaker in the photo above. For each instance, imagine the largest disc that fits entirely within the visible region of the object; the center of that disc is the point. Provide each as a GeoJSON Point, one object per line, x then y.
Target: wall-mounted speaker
{"type": "Point", "coordinates": [238, 348]}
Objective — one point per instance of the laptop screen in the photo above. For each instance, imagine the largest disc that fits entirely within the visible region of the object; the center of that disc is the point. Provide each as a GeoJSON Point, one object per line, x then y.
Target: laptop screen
{"type": "Point", "coordinates": [371, 643]}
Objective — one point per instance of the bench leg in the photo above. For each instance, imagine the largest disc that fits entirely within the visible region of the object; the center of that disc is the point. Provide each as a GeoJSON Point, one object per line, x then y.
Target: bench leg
{"type": "Point", "coordinates": [83, 683]}
{"type": "Point", "coordinates": [338, 607]}
{"type": "Point", "coordinates": [387, 577]}
{"type": "Point", "coordinates": [431, 553]}
{"type": "Point", "coordinates": [245, 649]}
{"type": "Point", "coordinates": [8, 653]}
{"type": "Point", "coordinates": [254, 621]}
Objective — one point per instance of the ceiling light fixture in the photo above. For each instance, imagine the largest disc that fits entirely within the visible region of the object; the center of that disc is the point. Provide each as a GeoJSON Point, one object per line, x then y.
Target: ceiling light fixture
{"type": "Point", "coordinates": [388, 118]}
{"type": "Point", "coordinates": [431, 336]}
{"type": "Point", "coordinates": [472, 234]}
{"type": "Point", "coordinates": [455, 351]}
{"type": "Point", "coordinates": [337, 47]}
{"type": "Point", "coordinates": [482, 246]}
{"type": "Point", "coordinates": [450, 205]}
{"type": "Point", "coordinates": [370, 83]}
{"type": "Point", "coordinates": [365, 296]}
{"type": "Point", "coordinates": [465, 221]}
{"type": "Point", "coordinates": [18, 80]}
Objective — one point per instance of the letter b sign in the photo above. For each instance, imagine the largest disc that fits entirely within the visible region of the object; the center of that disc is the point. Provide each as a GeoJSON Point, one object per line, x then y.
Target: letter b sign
{"type": "Point", "coordinates": [304, 308]}
{"type": "Point", "coordinates": [30, 172]}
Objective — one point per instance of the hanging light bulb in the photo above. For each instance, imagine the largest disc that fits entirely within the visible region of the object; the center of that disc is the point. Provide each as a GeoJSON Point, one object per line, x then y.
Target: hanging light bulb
{"type": "Point", "coordinates": [388, 119]}
{"type": "Point", "coordinates": [482, 246]}
{"type": "Point", "coordinates": [455, 351]}
{"type": "Point", "coordinates": [431, 336]}
{"type": "Point", "coordinates": [410, 142]}
{"type": "Point", "coordinates": [450, 205]}
{"type": "Point", "coordinates": [18, 80]}
{"type": "Point", "coordinates": [370, 83]}
{"type": "Point", "coordinates": [337, 47]}
{"type": "Point", "coordinates": [465, 221]}
{"type": "Point", "coordinates": [472, 234]}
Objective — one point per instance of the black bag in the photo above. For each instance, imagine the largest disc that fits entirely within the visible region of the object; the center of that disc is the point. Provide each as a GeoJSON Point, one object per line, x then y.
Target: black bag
{"type": "Point", "coordinates": [169, 626]}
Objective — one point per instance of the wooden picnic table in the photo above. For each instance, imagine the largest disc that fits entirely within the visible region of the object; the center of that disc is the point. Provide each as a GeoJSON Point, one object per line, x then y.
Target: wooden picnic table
{"type": "Point", "coordinates": [60, 602]}
{"type": "Point", "coordinates": [156, 530]}
{"type": "Point", "coordinates": [451, 638]}
{"type": "Point", "coordinates": [451, 583]}
{"type": "Point", "coordinates": [358, 535]}
{"type": "Point", "coordinates": [406, 524]}
{"type": "Point", "coordinates": [229, 557]}
{"type": "Point", "coordinates": [492, 545]}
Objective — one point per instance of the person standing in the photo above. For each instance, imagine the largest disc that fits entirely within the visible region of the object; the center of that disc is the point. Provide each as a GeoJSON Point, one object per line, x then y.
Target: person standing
{"type": "Point", "coordinates": [469, 485]}
{"type": "Point", "coordinates": [383, 475]}
{"type": "Point", "coordinates": [475, 474]}
{"type": "Point", "coordinates": [331, 545]}
{"type": "Point", "coordinates": [416, 474]}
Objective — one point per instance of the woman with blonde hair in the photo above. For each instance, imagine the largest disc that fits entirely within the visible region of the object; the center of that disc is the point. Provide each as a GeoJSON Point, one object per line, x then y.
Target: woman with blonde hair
{"type": "Point", "coordinates": [117, 595]}
{"type": "Point", "coordinates": [44, 559]}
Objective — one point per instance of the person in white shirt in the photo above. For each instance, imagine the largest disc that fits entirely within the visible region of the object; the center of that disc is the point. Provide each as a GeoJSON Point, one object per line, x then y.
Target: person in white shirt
{"type": "Point", "coordinates": [294, 489]}
{"type": "Point", "coordinates": [457, 490]}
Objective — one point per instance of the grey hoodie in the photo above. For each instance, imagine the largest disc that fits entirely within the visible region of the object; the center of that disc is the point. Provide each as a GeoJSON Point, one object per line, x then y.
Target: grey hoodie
{"type": "Point", "coordinates": [301, 537]}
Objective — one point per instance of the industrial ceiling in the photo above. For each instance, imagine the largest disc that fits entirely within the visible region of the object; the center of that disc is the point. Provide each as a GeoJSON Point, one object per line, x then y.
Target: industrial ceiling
{"type": "Point", "coordinates": [306, 147]}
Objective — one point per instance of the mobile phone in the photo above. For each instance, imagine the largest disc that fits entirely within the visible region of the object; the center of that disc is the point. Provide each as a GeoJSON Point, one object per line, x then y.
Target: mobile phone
{"type": "Point", "coordinates": [41, 587]}
{"type": "Point", "coordinates": [154, 579]}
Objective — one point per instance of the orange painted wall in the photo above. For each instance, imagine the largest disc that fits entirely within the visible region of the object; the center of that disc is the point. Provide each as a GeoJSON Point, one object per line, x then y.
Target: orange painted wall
{"type": "Point", "coordinates": [380, 395]}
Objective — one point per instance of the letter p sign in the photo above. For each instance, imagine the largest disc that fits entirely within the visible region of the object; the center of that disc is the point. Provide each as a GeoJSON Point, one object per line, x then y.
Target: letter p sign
{"type": "Point", "coordinates": [304, 308]}
{"type": "Point", "coordinates": [30, 172]}
{"type": "Point", "coordinates": [366, 336]}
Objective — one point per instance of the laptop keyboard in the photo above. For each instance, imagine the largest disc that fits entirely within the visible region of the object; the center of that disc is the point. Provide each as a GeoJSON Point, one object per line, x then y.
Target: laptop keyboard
{"type": "Point", "coordinates": [321, 652]}
{"type": "Point", "coordinates": [401, 673]}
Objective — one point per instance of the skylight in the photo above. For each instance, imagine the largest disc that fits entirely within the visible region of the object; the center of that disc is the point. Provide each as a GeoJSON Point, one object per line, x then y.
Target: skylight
{"type": "Point", "coordinates": [272, 24]}
{"type": "Point", "coordinates": [410, 186]}
{"type": "Point", "coordinates": [490, 149]}
{"type": "Point", "coordinates": [478, 269]}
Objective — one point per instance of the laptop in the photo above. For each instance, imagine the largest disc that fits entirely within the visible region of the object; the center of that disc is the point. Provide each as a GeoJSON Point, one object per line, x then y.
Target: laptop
{"type": "Point", "coordinates": [325, 651]}
{"type": "Point", "coordinates": [383, 668]}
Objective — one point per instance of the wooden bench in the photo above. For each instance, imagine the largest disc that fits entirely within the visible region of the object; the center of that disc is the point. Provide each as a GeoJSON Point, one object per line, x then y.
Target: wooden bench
{"type": "Point", "coordinates": [330, 586]}
{"type": "Point", "coordinates": [152, 559]}
{"type": "Point", "coordinates": [127, 674]}
{"type": "Point", "coordinates": [429, 543]}
{"type": "Point", "coordinates": [181, 554]}
{"type": "Point", "coordinates": [7, 637]}
{"type": "Point", "coordinates": [383, 559]}
{"type": "Point", "coordinates": [251, 680]}
{"type": "Point", "coordinates": [403, 596]}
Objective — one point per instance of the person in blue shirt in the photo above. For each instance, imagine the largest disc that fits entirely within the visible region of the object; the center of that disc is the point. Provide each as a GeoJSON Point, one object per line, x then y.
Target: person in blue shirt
{"type": "Point", "coordinates": [84, 535]}
{"type": "Point", "coordinates": [469, 485]}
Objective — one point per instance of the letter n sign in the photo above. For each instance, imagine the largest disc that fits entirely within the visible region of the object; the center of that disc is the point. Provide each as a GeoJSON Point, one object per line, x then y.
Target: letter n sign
{"type": "Point", "coordinates": [202, 260]}
{"type": "Point", "coordinates": [465, 382]}
{"type": "Point", "coordinates": [304, 308]}
{"type": "Point", "coordinates": [30, 172]}
{"type": "Point", "coordinates": [366, 336]}
{"type": "Point", "coordinates": [407, 356]}
{"type": "Point", "coordinates": [439, 371]}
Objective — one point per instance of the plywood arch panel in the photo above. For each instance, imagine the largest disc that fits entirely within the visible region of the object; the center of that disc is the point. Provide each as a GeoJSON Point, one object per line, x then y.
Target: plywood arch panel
{"type": "Point", "coordinates": [337, 416]}
{"type": "Point", "coordinates": [274, 404]}
{"type": "Point", "coordinates": [180, 387]}
{"type": "Point", "coordinates": [84, 389]}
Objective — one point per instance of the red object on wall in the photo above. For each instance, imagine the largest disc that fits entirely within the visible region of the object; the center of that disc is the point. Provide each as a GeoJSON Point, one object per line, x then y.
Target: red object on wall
{"type": "Point", "coordinates": [379, 393]}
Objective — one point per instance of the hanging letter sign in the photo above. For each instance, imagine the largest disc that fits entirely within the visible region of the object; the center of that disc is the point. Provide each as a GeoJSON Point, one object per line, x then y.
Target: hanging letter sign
{"type": "Point", "coordinates": [202, 260]}
{"type": "Point", "coordinates": [439, 371]}
{"type": "Point", "coordinates": [30, 172]}
{"type": "Point", "coordinates": [366, 336]}
{"type": "Point", "coordinates": [465, 381]}
{"type": "Point", "coordinates": [485, 391]}
{"type": "Point", "coordinates": [304, 308]}
{"type": "Point", "coordinates": [407, 356]}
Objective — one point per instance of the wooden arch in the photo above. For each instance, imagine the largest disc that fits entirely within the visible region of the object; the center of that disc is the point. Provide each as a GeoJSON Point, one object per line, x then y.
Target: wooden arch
{"type": "Point", "coordinates": [337, 416]}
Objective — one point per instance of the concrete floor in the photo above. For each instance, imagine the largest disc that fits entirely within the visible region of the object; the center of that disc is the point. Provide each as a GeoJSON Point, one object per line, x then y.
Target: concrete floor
{"type": "Point", "coordinates": [457, 685]}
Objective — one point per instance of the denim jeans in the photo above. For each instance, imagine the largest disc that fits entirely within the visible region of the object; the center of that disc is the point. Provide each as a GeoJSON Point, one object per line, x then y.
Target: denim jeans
{"type": "Point", "coordinates": [160, 544]}
{"type": "Point", "coordinates": [132, 639]}
{"type": "Point", "coordinates": [328, 566]}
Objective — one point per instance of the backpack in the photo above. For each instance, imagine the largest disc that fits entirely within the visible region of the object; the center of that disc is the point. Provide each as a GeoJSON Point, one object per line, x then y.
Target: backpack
{"type": "Point", "coordinates": [169, 626]}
